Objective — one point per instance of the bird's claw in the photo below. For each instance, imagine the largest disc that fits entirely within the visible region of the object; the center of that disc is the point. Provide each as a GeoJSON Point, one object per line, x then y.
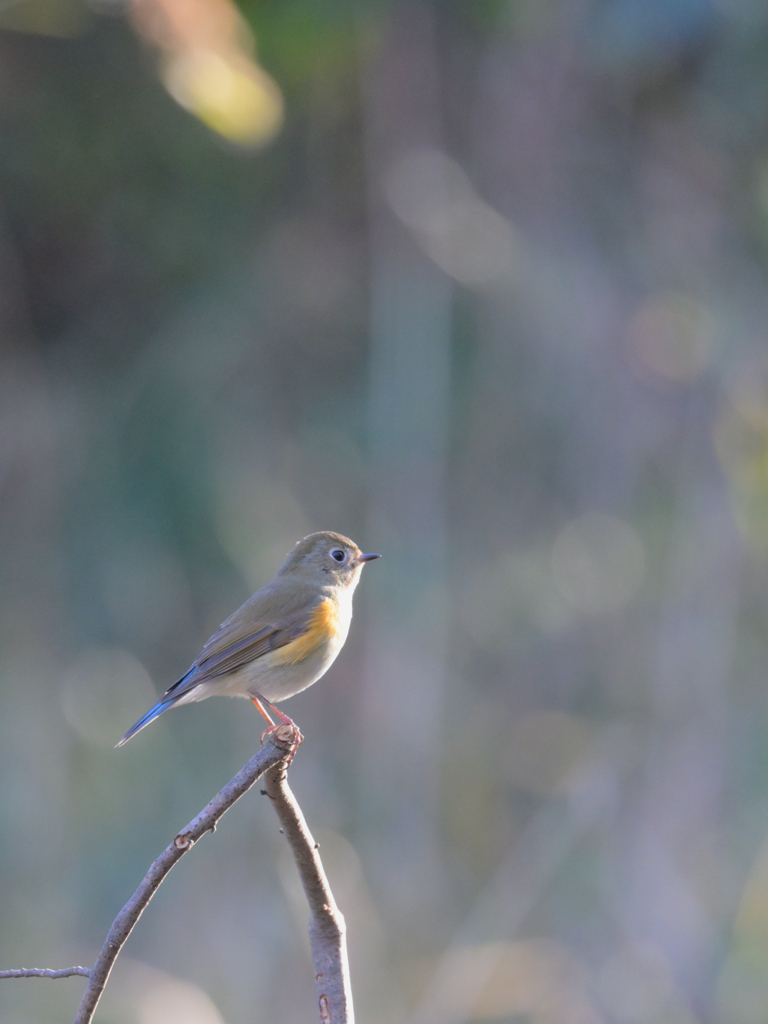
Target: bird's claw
{"type": "Point", "coordinates": [284, 734]}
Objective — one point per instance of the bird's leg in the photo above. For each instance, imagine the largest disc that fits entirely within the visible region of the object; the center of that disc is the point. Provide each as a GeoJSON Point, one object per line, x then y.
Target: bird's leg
{"type": "Point", "coordinates": [262, 710]}
{"type": "Point", "coordinates": [260, 701]}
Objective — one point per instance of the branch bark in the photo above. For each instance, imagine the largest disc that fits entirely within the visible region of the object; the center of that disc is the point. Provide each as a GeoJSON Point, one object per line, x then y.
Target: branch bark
{"type": "Point", "coordinates": [279, 747]}
{"type": "Point", "coordinates": [327, 929]}
{"type": "Point", "coordinates": [46, 972]}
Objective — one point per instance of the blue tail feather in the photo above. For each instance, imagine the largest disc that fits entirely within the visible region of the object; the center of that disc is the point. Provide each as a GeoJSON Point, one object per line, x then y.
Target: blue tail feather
{"type": "Point", "coordinates": [171, 696]}
{"type": "Point", "coordinates": [151, 715]}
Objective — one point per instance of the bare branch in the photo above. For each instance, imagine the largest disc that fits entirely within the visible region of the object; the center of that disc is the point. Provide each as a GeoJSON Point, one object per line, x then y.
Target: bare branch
{"type": "Point", "coordinates": [271, 753]}
{"type": "Point", "coordinates": [327, 929]}
{"type": "Point", "coordinates": [46, 972]}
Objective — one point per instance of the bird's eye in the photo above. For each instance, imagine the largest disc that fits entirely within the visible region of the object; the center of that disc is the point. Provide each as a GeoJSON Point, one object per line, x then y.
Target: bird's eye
{"type": "Point", "coordinates": [339, 554]}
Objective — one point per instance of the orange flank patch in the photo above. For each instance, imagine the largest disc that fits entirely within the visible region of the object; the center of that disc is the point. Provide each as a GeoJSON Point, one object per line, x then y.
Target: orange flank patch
{"type": "Point", "coordinates": [322, 627]}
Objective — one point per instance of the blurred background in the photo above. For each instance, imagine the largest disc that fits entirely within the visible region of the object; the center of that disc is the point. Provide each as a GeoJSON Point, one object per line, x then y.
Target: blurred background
{"type": "Point", "coordinates": [482, 285]}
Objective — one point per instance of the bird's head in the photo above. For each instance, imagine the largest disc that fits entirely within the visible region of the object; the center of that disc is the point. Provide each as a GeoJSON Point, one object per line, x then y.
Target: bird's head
{"type": "Point", "coordinates": [326, 556]}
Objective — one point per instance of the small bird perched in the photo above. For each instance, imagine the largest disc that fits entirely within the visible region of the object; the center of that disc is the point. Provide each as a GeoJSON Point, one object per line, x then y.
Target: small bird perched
{"type": "Point", "coordinates": [283, 638]}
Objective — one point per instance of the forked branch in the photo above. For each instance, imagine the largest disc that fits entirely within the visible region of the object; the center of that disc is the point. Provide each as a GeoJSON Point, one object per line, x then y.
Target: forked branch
{"type": "Point", "coordinates": [326, 928]}
{"type": "Point", "coordinates": [270, 754]}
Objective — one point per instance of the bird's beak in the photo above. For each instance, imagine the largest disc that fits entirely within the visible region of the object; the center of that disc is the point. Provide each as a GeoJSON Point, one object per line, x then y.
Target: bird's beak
{"type": "Point", "coordinates": [368, 558]}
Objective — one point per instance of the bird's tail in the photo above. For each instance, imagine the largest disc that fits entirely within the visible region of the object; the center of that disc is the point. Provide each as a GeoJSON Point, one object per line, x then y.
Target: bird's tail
{"type": "Point", "coordinates": [161, 706]}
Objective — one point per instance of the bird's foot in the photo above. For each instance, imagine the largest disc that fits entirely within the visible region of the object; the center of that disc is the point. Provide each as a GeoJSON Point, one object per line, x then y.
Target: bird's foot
{"type": "Point", "coordinates": [285, 732]}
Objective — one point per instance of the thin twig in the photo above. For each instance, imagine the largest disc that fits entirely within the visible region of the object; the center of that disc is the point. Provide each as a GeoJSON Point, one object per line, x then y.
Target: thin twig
{"type": "Point", "coordinates": [327, 930]}
{"type": "Point", "coordinates": [46, 972]}
{"type": "Point", "coordinates": [276, 749]}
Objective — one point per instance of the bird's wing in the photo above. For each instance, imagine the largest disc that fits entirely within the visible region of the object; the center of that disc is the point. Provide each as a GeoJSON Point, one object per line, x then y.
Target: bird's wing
{"type": "Point", "coordinates": [242, 638]}
{"type": "Point", "coordinates": [223, 654]}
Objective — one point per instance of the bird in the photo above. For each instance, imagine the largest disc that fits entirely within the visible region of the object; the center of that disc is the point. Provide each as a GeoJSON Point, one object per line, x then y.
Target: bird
{"type": "Point", "coordinates": [282, 639]}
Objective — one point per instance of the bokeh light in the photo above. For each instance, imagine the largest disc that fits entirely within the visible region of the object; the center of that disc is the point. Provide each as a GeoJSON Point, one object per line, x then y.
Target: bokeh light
{"type": "Point", "coordinates": [598, 563]}
{"type": "Point", "coordinates": [673, 335]}
{"type": "Point", "coordinates": [209, 68]}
